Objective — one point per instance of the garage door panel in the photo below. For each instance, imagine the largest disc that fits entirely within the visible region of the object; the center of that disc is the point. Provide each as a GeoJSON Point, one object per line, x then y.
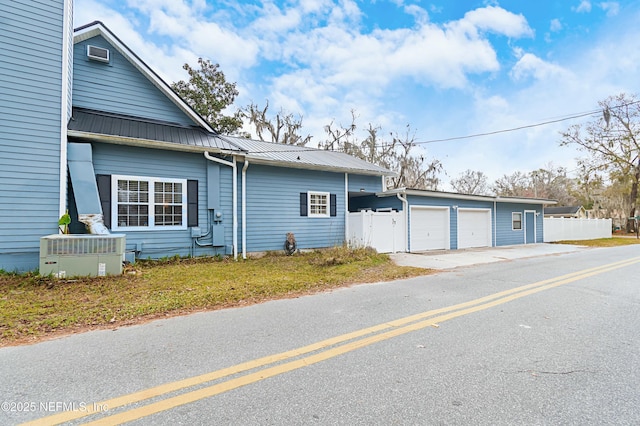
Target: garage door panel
{"type": "Point", "coordinates": [429, 228]}
{"type": "Point", "coordinates": [474, 228]}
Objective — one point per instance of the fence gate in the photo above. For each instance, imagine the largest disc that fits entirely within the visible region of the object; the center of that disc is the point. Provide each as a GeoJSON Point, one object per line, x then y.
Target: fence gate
{"type": "Point", "coordinates": [383, 231]}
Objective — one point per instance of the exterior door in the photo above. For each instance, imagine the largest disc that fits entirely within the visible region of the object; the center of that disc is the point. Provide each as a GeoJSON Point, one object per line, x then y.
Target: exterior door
{"type": "Point", "coordinates": [474, 228]}
{"type": "Point", "coordinates": [529, 227]}
{"type": "Point", "coordinates": [429, 228]}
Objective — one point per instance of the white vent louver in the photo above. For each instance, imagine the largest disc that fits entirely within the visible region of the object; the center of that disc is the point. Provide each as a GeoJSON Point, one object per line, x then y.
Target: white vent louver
{"type": "Point", "coordinates": [81, 255]}
{"type": "Point", "coordinates": [98, 53]}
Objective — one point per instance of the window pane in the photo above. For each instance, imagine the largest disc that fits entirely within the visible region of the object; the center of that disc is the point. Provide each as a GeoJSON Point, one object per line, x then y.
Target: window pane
{"type": "Point", "coordinates": [168, 204]}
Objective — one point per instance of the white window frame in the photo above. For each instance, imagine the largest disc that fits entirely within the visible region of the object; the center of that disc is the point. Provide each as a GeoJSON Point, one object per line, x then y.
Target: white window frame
{"type": "Point", "coordinates": [151, 203]}
{"type": "Point", "coordinates": [513, 221]}
{"type": "Point", "coordinates": [327, 205]}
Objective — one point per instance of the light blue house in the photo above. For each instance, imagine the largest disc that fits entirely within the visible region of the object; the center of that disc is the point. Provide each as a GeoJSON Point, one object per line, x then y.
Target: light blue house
{"type": "Point", "coordinates": [35, 105]}
{"type": "Point", "coordinates": [86, 126]}
{"type": "Point", "coordinates": [142, 163]}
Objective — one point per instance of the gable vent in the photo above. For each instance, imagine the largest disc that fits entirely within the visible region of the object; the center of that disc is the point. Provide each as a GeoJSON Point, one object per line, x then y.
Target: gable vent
{"type": "Point", "coordinates": [98, 53]}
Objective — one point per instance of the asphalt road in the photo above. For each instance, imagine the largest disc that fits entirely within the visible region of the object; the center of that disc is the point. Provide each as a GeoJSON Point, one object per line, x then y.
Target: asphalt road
{"type": "Point", "coordinates": [539, 341]}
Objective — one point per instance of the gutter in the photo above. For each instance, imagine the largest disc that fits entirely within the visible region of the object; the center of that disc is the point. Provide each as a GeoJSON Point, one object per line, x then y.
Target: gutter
{"type": "Point", "coordinates": [234, 185]}
{"type": "Point", "coordinates": [312, 166]}
{"type": "Point", "coordinates": [146, 143]}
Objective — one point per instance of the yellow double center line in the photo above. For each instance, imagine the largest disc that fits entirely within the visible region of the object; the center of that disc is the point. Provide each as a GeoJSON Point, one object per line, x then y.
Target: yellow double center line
{"type": "Point", "coordinates": [324, 349]}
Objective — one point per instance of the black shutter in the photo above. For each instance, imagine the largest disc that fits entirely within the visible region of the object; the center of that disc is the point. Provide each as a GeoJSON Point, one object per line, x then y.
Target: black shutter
{"type": "Point", "coordinates": [303, 204]}
{"type": "Point", "coordinates": [104, 191]}
{"type": "Point", "coordinates": [192, 203]}
{"type": "Point", "coordinates": [333, 209]}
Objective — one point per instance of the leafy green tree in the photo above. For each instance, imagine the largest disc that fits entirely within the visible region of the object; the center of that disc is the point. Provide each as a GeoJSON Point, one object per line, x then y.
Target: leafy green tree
{"type": "Point", "coordinates": [209, 94]}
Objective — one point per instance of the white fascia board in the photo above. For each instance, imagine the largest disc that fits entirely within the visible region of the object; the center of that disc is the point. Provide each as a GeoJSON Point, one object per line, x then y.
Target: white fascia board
{"type": "Point", "coordinates": [99, 29]}
{"type": "Point", "coordinates": [525, 201]}
{"type": "Point", "coordinates": [454, 196]}
{"type": "Point", "coordinates": [146, 143]}
{"type": "Point", "coordinates": [307, 166]}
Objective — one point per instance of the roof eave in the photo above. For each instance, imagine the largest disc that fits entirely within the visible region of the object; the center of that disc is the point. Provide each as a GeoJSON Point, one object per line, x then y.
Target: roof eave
{"type": "Point", "coordinates": [450, 195]}
{"type": "Point", "coordinates": [308, 166]}
{"type": "Point", "coordinates": [147, 143]}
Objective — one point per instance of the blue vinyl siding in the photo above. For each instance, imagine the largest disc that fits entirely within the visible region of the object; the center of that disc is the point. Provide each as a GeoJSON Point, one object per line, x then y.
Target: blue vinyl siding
{"type": "Point", "coordinates": [30, 124]}
{"type": "Point", "coordinates": [119, 87]}
{"type": "Point", "coordinates": [363, 183]}
{"type": "Point", "coordinates": [123, 160]}
{"type": "Point", "coordinates": [273, 208]}
{"type": "Point", "coordinates": [505, 234]}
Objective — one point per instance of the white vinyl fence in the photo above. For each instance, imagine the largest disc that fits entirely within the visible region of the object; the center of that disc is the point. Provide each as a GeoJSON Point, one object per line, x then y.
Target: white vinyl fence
{"type": "Point", "coordinates": [383, 231]}
{"type": "Point", "coordinates": [560, 229]}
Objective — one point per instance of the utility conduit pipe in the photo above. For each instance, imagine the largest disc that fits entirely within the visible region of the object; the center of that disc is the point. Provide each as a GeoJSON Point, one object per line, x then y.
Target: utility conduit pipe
{"type": "Point", "coordinates": [234, 168]}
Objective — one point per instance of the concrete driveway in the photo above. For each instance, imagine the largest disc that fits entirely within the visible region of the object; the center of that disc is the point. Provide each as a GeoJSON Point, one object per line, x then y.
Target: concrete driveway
{"type": "Point", "coordinates": [450, 259]}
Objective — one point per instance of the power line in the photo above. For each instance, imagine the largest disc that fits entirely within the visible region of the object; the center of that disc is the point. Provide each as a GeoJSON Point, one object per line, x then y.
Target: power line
{"type": "Point", "coordinates": [495, 132]}
{"type": "Point", "coordinates": [513, 129]}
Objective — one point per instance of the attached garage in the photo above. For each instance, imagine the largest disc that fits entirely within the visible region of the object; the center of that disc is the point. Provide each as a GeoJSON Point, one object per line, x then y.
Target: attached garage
{"type": "Point", "coordinates": [429, 228]}
{"type": "Point", "coordinates": [474, 228]}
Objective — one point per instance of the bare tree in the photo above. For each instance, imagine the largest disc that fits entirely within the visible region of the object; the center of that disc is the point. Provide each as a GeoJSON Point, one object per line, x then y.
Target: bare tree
{"type": "Point", "coordinates": [552, 183]}
{"type": "Point", "coordinates": [471, 182]}
{"type": "Point", "coordinates": [282, 128]}
{"type": "Point", "coordinates": [396, 154]}
{"type": "Point", "coordinates": [413, 171]}
{"type": "Point", "coordinates": [516, 184]}
{"type": "Point", "coordinates": [612, 143]}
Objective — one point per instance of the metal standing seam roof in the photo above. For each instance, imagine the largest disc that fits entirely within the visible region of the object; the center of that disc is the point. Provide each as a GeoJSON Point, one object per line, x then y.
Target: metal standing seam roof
{"type": "Point", "coordinates": [562, 210]}
{"type": "Point", "coordinates": [458, 196]}
{"type": "Point", "coordinates": [304, 157]}
{"type": "Point", "coordinates": [132, 129]}
{"type": "Point", "coordinates": [116, 128]}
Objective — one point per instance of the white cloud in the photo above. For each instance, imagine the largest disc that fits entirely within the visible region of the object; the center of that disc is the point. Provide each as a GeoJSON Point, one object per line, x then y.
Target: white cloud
{"type": "Point", "coordinates": [555, 25]}
{"type": "Point", "coordinates": [612, 8]}
{"type": "Point", "coordinates": [530, 65]}
{"type": "Point", "coordinates": [419, 14]}
{"type": "Point", "coordinates": [500, 21]}
{"type": "Point", "coordinates": [583, 7]}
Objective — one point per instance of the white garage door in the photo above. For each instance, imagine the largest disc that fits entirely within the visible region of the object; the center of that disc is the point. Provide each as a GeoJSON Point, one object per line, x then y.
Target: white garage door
{"type": "Point", "coordinates": [474, 228]}
{"type": "Point", "coordinates": [429, 228]}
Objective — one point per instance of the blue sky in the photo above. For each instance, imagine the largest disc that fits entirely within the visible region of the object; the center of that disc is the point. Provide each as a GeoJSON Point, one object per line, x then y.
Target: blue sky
{"type": "Point", "coordinates": [445, 68]}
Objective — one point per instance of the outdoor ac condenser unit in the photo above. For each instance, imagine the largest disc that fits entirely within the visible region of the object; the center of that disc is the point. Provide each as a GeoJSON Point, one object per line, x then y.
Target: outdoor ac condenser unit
{"type": "Point", "coordinates": [81, 255]}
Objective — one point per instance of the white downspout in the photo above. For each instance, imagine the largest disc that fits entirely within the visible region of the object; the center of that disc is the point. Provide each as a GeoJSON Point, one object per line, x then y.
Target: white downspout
{"type": "Point", "coordinates": [65, 107]}
{"type": "Point", "coordinates": [346, 209]}
{"type": "Point", "coordinates": [495, 223]}
{"type": "Point", "coordinates": [405, 209]}
{"type": "Point", "coordinates": [384, 184]}
{"type": "Point", "coordinates": [234, 185]}
{"type": "Point", "coordinates": [244, 208]}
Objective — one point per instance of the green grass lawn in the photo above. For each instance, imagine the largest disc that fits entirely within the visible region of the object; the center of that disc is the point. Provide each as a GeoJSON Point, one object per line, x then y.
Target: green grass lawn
{"type": "Point", "coordinates": [34, 307]}
{"type": "Point", "coordinates": [605, 242]}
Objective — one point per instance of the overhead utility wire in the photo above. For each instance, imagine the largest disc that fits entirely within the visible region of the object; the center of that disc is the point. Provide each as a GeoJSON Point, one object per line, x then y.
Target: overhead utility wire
{"type": "Point", "coordinates": [570, 117]}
